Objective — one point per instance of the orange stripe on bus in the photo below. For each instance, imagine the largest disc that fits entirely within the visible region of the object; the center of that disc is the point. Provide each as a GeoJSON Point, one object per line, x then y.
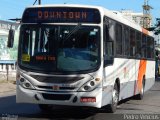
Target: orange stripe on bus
{"type": "Point", "coordinates": [145, 31]}
{"type": "Point", "coordinates": [141, 73]}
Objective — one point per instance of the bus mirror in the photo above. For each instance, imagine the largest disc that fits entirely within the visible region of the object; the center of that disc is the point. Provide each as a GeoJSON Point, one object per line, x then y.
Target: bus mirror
{"type": "Point", "coordinates": [10, 38]}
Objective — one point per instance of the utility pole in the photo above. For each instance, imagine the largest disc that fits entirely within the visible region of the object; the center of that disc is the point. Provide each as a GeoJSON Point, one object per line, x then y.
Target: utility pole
{"type": "Point", "coordinates": [146, 14]}
{"type": "Point", "coordinates": [39, 2]}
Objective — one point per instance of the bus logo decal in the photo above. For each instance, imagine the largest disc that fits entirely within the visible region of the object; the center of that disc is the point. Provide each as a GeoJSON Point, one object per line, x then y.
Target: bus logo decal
{"type": "Point", "coordinates": [55, 87]}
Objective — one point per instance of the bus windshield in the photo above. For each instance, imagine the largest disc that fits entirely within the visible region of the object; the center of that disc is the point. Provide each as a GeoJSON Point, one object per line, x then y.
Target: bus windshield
{"type": "Point", "coordinates": [59, 48]}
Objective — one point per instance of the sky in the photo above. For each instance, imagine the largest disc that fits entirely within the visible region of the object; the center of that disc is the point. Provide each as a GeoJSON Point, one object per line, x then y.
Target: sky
{"type": "Point", "coordinates": [14, 8]}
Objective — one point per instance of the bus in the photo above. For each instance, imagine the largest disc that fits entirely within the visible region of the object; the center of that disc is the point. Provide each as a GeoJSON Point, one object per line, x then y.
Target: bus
{"type": "Point", "coordinates": [80, 55]}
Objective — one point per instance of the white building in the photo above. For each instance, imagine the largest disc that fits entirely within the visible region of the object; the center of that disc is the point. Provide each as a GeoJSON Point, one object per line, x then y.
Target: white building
{"type": "Point", "coordinates": [139, 18]}
{"type": "Point", "coordinates": [5, 53]}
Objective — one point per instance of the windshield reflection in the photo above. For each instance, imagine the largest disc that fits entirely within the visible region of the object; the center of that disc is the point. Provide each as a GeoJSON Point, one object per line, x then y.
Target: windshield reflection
{"type": "Point", "coordinates": [59, 48]}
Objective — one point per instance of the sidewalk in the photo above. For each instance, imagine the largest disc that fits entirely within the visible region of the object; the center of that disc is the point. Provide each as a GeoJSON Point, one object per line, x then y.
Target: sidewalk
{"type": "Point", "coordinates": [7, 87]}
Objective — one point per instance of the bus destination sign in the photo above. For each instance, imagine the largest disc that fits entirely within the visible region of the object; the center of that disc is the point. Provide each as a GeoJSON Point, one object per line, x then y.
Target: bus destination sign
{"type": "Point", "coordinates": [61, 15]}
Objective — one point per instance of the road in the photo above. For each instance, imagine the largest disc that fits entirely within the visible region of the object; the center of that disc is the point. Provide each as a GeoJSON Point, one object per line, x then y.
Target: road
{"type": "Point", "coordinates": [9, 110]}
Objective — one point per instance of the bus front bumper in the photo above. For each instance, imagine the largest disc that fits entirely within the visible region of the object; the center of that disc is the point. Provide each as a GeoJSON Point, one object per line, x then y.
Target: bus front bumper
{"type": "Point", "coordinates": [90, 99]}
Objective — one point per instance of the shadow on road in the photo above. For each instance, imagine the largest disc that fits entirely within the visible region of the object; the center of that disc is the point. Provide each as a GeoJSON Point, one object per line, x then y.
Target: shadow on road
{"type": "Point", "coordinates": [8, 106]}
{"type": "Point", "coordinates": [158, 79]}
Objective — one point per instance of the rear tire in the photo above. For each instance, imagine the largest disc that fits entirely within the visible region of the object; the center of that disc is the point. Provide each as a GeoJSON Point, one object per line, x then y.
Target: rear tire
{"type": "Point", "coordinates": [141, 94]}
{"type": "Point", "coordinates": [115, 99]}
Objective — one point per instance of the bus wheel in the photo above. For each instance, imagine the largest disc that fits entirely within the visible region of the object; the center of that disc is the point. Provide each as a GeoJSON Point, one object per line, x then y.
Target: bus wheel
{"type": "Point", "coordinates": [115, 98]}
{"type": "Point", "coordinates": [141, 94]}
{"type": "Point", "coordinates": [45, 107]}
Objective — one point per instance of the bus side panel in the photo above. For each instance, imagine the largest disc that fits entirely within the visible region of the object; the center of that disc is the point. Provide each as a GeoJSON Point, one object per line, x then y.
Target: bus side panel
{"type": "Point", "coordinates": [127, 77]}
{"type": "Point", "coordinates": [128, 72]}
{"type": "Point", "coordinates": [150, 75]}
{"type": "Point", "coordinates": [124, 71]}
{"type": "Point", "coordinates": [144, 68]}
{"type": "Point", "coordinates": [108, 81]}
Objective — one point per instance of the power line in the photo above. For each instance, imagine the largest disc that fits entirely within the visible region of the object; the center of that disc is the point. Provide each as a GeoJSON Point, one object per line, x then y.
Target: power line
{"type": "Point", "coordinates": [39, 2]}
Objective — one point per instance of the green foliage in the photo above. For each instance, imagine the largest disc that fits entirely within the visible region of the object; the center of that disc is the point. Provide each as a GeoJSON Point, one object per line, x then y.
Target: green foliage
{"type": "Point", "coordinates": [157, 32]}
{"type": "Point", "coordinates": [13, 51]}
{"type": "Point", "coordinates": [6, 52]}
{"type": "Point", "coordinates": [151, 28]}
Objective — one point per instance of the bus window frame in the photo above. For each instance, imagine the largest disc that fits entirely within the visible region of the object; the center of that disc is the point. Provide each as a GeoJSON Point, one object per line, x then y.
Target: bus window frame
{"type": "Point", "coordinates": [106, 41]}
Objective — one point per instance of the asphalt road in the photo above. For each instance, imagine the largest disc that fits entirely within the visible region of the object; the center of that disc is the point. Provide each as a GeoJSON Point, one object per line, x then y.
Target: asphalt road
{"type": "Point", "coordinates": [127, 109]}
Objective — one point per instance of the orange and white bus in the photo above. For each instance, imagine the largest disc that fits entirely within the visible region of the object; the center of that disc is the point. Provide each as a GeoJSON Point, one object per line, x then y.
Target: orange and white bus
{"type": "Point", "coordinates": [80, 55]}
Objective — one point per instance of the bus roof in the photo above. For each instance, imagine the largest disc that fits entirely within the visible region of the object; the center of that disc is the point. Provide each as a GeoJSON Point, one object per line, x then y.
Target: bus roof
{"type": "Point", "coordinates": [66, 5]}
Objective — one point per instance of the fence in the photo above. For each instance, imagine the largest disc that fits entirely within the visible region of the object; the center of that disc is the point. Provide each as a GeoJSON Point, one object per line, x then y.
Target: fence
{"type": "Point", "coordinates": [7, 67]}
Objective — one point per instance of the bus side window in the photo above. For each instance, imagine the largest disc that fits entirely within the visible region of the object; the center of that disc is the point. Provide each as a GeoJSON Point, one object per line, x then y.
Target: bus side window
{"type": "Point", "coordinates": [138, 44]}
{"type": "Point", "coordinates": [109, 37]}
{"type": "Point", "coordinates": [150, 47]}
{"type": "Point", "coordinates": [144, 45]}
{"type": "Point", "coordinates": [126, 41]}
{"type": "Point", "coordinates": [108, 48]}
{"type": "Point", "coordinates": [119, 43]}
{"type": "Point", "coordinates": [132, 43]}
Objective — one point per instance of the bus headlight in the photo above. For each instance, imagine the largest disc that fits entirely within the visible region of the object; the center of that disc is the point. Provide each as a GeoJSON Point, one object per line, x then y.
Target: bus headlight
{"type": "Point", "coordinates": [25, 83]}
{"type": "Point", "coordinates": [90, 85]}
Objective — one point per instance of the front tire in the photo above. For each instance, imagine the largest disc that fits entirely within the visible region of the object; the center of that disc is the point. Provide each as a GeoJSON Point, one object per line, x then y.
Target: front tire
{"type": "Point", "coordinates": [115, 99]}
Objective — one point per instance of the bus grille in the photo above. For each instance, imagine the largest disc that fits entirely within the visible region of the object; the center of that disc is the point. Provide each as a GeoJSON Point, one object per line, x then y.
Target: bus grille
{"type": "Point", "coordinates": [55, 79]}
{"type": "Point", "coordinates": [56, 96]}
{"type": "Point", "coordinates": [51, 88]}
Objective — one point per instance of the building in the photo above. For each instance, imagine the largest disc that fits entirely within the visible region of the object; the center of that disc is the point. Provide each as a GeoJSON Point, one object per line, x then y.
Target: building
{"type": "Point", "coordinates": [7, 56]}
{"type": "Point", "coordinates": [138, 18]}
{"type": "Point", "coordinates": [5, 53]}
